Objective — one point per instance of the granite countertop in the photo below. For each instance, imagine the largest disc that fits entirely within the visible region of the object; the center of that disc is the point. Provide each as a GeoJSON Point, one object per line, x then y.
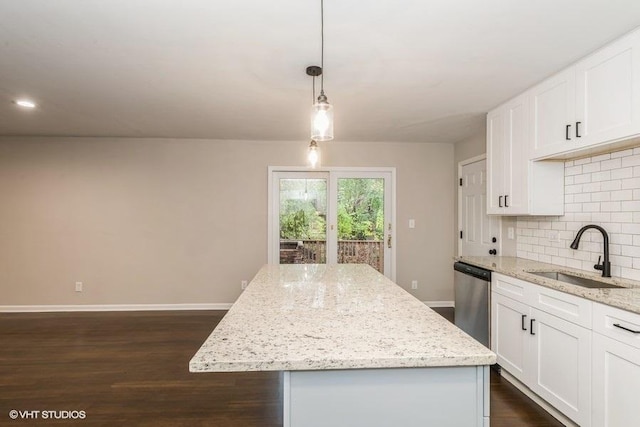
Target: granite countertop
{"type": "Point", "coordinates": [316, 317]}
{"type": "Point", "coordinates": [626, 298]}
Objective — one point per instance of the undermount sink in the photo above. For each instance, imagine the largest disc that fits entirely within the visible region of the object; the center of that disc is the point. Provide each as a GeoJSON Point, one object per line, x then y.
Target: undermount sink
{"type": "Point", "coordinates": [575, 280]}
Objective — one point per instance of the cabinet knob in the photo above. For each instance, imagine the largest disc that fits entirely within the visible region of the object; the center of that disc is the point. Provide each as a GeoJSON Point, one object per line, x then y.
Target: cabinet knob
{"type": "Point", "coordinates": [493, 251]}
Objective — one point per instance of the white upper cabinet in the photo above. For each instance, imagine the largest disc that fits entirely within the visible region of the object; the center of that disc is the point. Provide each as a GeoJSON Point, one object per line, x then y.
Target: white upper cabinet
{"type": "Point", "coordinates": [552, 113]}
{"type": "Point", "coordinates": [507, 153]}
{"type": "Point", "coordinates": [594, 102]}
{"type": "Point", "coordinates": [608, 93]}
{"type": "Point", "coordinates": [515, 185]}
{"type": "Point", "coordinates": [496, 159]}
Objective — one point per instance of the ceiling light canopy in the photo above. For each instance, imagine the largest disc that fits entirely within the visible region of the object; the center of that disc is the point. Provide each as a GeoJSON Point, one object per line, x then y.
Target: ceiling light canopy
{"type": "Point", "coordinates": [25, 103]}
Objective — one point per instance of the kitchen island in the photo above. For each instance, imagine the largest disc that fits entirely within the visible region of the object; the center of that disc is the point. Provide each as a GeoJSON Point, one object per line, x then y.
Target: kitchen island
{"type": "Point", "coordinates": [355, 349]}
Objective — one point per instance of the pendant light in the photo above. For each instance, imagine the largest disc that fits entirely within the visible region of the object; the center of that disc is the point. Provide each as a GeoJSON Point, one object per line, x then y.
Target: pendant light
{"type": "Point", "coordinates": [313, 156]}
{"type": "Point", "coordinates": [321, 111]}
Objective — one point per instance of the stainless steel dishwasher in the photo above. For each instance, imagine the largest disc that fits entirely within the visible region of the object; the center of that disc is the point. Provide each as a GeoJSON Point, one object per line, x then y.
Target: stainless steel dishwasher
{"type": "Point", "coordinates": [472, 304]}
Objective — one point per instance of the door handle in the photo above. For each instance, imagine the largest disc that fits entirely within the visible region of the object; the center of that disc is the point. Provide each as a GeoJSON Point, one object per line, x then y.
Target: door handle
{"type": "Point", "coordinates": [389, 241]}
{"type": "Point", "coordinates": [531, 327]}
{"type": "Point", "coordinates": [523, 326]}
{"type": "Point", "coordinates": [566, 133]}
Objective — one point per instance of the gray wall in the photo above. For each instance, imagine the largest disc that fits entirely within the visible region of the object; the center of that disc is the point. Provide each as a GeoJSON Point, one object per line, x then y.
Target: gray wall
{"type": "Point", "coordinates": [158, 221]}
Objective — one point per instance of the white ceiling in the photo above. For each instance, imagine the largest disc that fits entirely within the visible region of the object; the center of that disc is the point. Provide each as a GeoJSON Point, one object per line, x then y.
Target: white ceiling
{"type": "Point", "coordinates": [396, 70]}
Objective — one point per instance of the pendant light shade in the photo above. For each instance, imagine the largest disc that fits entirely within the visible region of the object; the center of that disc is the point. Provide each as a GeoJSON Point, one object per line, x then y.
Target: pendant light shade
{"type": "Point", "coordinates": [313, 156]}
{"type": "Point", "coordinates": [322, 120]}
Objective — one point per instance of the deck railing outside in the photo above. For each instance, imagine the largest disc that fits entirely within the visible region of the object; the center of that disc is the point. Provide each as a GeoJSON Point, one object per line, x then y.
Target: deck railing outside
{"type": "Point", "coordinates": [349, 252]}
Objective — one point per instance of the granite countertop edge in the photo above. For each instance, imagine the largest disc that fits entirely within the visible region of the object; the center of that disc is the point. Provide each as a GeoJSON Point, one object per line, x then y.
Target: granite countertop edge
{"type": "Point", "coordinates": [323, 365]}
{"type": "Point", "coordinates": [626, 298]}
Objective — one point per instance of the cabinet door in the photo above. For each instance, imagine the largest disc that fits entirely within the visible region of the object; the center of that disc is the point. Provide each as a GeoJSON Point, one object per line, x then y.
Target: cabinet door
{"type": "Point", "coordinates": [509, 333]}
{"type": "Point", "coordinates": [552, 110]}
{"type": "Point", "coordinates": [561, 365]}
{"type": "Point", "coordinates": [608, 93]}
{"type": "Point", "coordinates": [496, 155]}
{"type": "Point", "coordinates": [516, 156]}
{"type": "Point", "coordinates": [616, 383]}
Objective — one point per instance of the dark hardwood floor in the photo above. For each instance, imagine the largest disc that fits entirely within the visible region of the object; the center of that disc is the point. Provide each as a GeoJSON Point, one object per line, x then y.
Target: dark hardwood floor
{"type": "Point", "coordinates": [131, 369]}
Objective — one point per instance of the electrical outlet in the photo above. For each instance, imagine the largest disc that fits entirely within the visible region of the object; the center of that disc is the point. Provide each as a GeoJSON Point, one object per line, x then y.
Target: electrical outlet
{"type": "Point", "coordinates": [244, 284]}
{"type": "Point", "coordinates": [78, 286]}
{"type": "Point", "coordinates": [554, 236]}
{"type": "Point", "coordinates": [414, 284]}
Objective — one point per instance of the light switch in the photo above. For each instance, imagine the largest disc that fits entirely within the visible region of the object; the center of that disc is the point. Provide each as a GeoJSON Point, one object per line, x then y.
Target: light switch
{"type": "Point", "coordinates": [412, 223]}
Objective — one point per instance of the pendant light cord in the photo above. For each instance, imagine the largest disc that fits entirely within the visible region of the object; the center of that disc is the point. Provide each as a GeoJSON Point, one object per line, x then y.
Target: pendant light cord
{"type": "Point", "coordinates": [322, 46]}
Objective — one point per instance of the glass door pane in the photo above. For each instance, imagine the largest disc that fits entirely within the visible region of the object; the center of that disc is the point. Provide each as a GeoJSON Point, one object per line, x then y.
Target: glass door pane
{"type": "Point", "coordinates": [361, 221]}
{"type": "Point", "coordinates": [303, 220]}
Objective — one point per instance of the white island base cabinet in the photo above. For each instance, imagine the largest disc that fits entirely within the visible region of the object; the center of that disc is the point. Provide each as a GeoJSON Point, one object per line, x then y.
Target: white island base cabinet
{"type": "Point", "coordinates": [408, 397]}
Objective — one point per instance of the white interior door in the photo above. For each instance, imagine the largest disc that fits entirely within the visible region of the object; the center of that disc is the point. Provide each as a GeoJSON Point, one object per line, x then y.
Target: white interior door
{"type": "Point", "coordinates": [335, 216]}
{"type": "Point", "coordinates": [477, 229]}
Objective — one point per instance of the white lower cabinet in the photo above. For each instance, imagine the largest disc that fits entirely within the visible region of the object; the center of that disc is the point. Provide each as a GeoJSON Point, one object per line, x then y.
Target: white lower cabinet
{"type": "Point", "coordinates": [616, 383]}
{"type": "Point", "coordinates": [560, 365]}
{"type": "Point", "coordinates": [549, 354]}
{"type": "Point", "coordinates": [509, 336]}
{"type": "Point", "coordinates": [616, 367]}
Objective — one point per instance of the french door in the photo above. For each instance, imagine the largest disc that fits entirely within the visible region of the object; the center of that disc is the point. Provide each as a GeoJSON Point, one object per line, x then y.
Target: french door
{"type": "Point", "coordinates": [335, 216]}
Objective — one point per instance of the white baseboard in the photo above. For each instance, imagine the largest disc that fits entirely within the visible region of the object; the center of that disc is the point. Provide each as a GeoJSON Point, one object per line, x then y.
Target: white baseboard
{"type": "Point", "coordinates": [439, 303]}
{"type": "Point", "coordinates": [111, 307]}
{"type": "Point", "coordinates": [143, 307]}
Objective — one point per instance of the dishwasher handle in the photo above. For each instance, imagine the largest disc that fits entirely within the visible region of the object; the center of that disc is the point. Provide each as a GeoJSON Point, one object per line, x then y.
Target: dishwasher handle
{"type": "Point", "coordinates": [472, 270]}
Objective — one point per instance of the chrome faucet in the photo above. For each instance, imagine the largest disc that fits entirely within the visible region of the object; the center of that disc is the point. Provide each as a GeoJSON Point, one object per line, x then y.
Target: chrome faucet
{"type": "Point", "coordinates": [606, 265]}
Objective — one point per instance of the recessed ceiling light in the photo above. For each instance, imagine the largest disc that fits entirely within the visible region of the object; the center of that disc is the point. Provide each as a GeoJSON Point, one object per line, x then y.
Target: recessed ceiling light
{"type": "Point", "coordinates": [25, 103]}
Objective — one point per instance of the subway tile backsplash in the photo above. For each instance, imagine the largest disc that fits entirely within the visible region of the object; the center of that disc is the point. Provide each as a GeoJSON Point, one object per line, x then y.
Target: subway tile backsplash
{"type": "Point", "coordinates": [602, 190]}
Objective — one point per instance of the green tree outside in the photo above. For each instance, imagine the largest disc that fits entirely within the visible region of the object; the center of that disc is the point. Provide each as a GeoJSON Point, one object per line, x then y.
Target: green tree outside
{"type": "Point", "coordinates": [360, 209]}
